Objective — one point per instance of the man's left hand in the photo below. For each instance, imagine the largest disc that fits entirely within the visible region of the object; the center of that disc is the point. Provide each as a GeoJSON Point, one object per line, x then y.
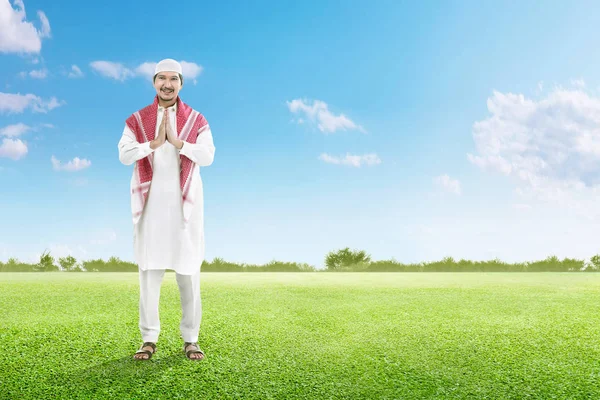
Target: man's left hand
{"type": "Point", "coordinates": [172, 138]}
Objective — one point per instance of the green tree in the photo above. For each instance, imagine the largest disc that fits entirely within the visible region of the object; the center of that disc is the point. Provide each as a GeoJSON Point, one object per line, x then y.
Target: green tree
{"type": "Point", "coordinates": [594, 263]}
{"type": "Point", "coordinates": [46, 263]}
{"type": "Point", "coordinates": [346, 258]}
{"type": "Point", "coordinates": [67, 263]}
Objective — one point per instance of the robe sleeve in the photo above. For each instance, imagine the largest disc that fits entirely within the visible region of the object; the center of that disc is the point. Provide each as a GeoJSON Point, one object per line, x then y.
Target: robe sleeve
{"type": "Point", "coordinates": [130, 150]}
{"type": "Point", "coordinates": [203, 151]}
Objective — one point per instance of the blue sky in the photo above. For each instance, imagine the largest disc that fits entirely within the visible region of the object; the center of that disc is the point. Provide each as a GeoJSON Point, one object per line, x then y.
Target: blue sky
{"type": "Point", "coordinates": [413, 131]}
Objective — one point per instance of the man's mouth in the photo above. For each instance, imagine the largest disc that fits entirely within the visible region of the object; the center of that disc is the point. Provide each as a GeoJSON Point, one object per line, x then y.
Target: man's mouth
{"type": "Point", "coordinates": [167, 90]}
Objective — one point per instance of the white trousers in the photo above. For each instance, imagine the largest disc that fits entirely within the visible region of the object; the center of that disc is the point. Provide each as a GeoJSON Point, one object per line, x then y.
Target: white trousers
{"type": "Point", "coordinates": [191, 304]}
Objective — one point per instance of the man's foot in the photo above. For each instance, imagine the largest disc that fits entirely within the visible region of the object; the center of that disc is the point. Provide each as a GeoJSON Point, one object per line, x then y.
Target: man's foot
{"type": "Point", "coordinates": [146, 351]}
{"type": "Point", "coordinates": [192, 351]}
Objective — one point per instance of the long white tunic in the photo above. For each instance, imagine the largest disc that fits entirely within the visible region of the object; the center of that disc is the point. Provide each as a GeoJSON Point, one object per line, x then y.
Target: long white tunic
{"type": "Point", "coordinates": [161, 239]}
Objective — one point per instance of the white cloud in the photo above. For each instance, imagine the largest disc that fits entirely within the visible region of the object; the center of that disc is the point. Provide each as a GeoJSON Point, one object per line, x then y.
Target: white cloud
{"type": "Point", "coordinates": [14, 130]}
{"type": "Point", "coordinates": [35, 74]}
{"type": "Point", "coordinates": [319, 113]}
{"type": "Point", "coordinates": [75, 164]}
{"type": "Point", "coordinates": [491, 163]}
{"type": "Point", "coordinates": [190, 70]}
{"type": "Point", "coordinates": [17, 103]}
{"type": "Point", "coordinates": [112, 70]}
{"type": "Point", "coordinates": [13, 148]}
{"type": "Point", "coordinates": [550, 147]}
{"type": "Point", "coordinates": [520, 206]}
{"type": "Point", "coordinates": [39, 73]}
{"type": "Point", "coordinates": [17, 35]}
{"type": "Point", "coordinates": [448, 184]}
{"type": "Point", "coordinates": [52, 104]}
{"type": "Point", "coordinates": [75, 72]}
{"type": "Point", "coordinates": [45, 32]}
{"type": "Point", "coordinates": [578, 83]}
{"type": "Point", "coordinates": [145, 70]}
{"type": "Point", "coordinates": [351, 160]}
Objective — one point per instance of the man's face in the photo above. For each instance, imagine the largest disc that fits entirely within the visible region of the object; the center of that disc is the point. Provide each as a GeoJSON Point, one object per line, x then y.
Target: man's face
{"type": "Point", "coordinates": [167, 85]}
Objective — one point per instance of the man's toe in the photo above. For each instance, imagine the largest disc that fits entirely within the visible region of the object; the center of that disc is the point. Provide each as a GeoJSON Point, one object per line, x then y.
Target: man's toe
{"type": "Point", "coordinates": [144, 356]}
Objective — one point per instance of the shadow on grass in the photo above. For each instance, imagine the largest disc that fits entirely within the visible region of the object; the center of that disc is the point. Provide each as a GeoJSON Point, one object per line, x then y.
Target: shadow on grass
{"type": "Point", "coordinates": [126, 376]}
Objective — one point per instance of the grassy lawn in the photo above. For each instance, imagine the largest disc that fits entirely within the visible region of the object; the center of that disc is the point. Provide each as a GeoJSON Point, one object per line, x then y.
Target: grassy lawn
{"type": "Point", "coordinates": [307, 335]}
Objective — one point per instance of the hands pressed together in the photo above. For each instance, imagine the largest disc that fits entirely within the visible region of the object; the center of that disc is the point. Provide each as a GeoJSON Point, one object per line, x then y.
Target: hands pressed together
{"type": "Point", "coordinates": [165, 134]}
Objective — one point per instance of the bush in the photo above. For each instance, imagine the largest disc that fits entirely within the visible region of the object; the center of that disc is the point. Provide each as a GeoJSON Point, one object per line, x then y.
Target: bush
{"type": "Point", "coordinates": [220, 265]}
{"type": "Point", "coordinates": [279, 266]}
{"type": "Point", "coordinates": [345, 258]}
{"type": "Point", "coordinates": [358, 267]}
{"type": "Point", "coordinates": [46, 263]}
{"type": "Point", "coordinates": [594, 264]}
{"type": "Point", "coordinates": [341, 260]}
{"type": "Point", "coordinates": [67, 263]}
{"type": "Point", "coordinates": [14, 265]}
{"type": "Point", "coordinates": [113, 264]}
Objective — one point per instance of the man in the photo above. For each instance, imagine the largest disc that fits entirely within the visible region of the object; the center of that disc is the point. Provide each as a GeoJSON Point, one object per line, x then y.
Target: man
{"type": "Point", "coordinates": [168, 141]}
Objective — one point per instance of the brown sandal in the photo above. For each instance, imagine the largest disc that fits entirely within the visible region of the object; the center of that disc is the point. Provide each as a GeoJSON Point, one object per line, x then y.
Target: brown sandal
{"type": "Point", "coordinates": [198, 351]}
{"type": "Point", "coordinates": [147, 352]}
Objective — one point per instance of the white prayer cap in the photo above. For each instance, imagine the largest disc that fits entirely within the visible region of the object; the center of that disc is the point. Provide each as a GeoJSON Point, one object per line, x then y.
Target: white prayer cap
{"type": "Point", "coordinates": [168, 65]}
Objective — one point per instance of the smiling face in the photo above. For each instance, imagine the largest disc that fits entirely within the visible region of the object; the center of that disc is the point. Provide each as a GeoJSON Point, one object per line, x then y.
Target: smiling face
{"type": "Point", "coordinates": [167, 85]}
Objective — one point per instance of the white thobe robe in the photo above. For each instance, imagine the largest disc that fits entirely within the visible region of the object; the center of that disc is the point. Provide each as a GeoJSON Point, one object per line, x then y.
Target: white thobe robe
{"type": "Point", "coordinates": [161, 238]}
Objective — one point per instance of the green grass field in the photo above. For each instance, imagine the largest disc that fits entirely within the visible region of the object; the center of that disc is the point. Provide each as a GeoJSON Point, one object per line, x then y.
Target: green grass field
{"type": "Point", "coordinates": [307, 335]}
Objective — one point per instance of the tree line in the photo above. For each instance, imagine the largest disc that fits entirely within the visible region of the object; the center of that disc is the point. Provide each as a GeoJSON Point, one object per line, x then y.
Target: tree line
{"type": "Point", "coordinates": [343, 260]}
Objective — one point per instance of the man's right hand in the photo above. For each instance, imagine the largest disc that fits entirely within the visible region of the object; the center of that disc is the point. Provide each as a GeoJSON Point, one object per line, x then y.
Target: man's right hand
{"type": "Point", "coordinates": [162, 133]}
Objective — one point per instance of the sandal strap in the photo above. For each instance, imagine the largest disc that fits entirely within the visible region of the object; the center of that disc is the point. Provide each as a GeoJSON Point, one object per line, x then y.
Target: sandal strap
{"type": "Point", "coordinates": [193, 351]}
{"type": "Point", "coordinates": [151, 344]}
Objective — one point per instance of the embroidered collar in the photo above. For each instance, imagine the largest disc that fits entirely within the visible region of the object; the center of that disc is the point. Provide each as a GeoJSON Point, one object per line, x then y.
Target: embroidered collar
{"type": "Point", "coordinates": [173, 107]}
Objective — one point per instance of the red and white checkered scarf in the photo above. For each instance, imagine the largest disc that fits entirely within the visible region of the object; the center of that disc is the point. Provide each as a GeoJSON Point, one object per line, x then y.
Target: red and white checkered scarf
{"type": "Point", "coordinates": [190, 123]}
